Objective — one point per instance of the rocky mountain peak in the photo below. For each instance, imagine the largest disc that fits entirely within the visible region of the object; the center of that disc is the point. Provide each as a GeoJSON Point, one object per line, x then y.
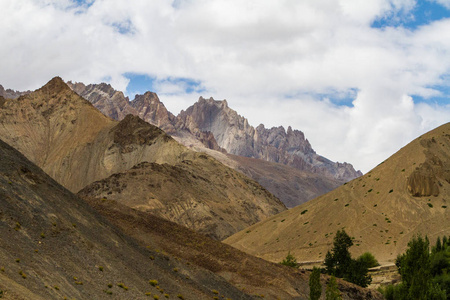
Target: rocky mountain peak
{"type": "Point", "coordinates": [134, 130]}
{"type": "Point", "coordinates": [151, 109]}
{"type": "Point", "coordinates": [55, 86]}
{"type": "Point", "coordinates": [234, 134]}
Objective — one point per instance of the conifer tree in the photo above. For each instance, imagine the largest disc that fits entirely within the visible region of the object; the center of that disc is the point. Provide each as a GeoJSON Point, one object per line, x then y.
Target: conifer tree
{"type": "Point", "coordinates": [315, 288]}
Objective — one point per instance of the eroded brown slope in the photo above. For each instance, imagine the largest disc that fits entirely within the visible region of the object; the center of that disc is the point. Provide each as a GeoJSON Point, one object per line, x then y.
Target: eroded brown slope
{"type": "Point", "coordinates": [248, 273]}
{"type": "Point", "coordinates": [53, 245]}
{"type": "Point", "coordinates": [198, 193]}
{"type": "Point", "coordinates": [77, 145]}
{"type": "Point", "coordinates": [407, 194]}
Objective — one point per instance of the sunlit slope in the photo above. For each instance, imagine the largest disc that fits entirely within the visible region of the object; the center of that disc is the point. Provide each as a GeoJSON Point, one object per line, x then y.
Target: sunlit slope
{"type": "Point", "coordinates": [407, 194]}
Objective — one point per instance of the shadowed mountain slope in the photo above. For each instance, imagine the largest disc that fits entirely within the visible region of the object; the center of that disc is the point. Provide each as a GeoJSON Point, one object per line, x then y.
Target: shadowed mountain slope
{"type": "Point", "coordinates": [248, 273]}
{"type": "Point", "coordinates": [407, 194]}
{"type": "Point", "coordinates": [53, 245]}
{"type": "Point", "coordinates": [76, 144]}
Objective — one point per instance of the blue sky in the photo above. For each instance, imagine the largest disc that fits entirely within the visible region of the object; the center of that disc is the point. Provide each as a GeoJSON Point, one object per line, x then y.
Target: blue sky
{"type": "Point", "coordinates": [359, 78]}
{"type": "Point", "coordinates": [423, 13]}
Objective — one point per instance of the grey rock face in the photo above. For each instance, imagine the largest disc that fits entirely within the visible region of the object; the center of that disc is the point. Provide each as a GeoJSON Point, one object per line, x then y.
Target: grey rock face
{"type": "Point", "coordinates": [233, 133]}
{"type": "Point", "coordinates": [11, 94]}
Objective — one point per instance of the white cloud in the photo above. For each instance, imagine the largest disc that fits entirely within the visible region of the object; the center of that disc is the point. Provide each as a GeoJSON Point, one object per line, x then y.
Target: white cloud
{"type": "Point", "coordinates": [272, 60]}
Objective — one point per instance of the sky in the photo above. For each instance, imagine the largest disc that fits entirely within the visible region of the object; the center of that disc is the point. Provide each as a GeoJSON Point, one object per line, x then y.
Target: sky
{"type": "Point", "coordinates": [361, 79]}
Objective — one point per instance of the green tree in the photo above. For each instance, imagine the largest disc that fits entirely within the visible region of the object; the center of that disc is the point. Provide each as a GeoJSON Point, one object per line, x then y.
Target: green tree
{"type": "Point", "coordinates": [338, 261]}
{"type": "Point", "coordinates": [414, 267]}
{"type": "Point", "coordinates": [332, 291]}
{"type": "Point", "coordinates": [290, 261]}
{"type": "Point", "coordinates": [358, 273]}
{"type": "Point", "coordinates": [315, 288]}
{"type": "Point", "coordinates": [438, 246]}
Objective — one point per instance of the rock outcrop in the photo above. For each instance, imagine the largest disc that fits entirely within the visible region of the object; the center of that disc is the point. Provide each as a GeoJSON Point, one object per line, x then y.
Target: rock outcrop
{"type": "Point", "coordinates": [234, 134]}
{"type": "Point", "coordinates": [11, 94]}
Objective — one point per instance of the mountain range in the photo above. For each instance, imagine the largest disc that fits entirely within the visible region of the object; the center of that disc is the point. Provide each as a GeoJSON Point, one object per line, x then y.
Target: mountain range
{"type": "Point", "coordinates": [110, 244]}
{"type": "Point", "coordinates": [77, 145]}
{"type": "Point", "coordinates": [211, 124]}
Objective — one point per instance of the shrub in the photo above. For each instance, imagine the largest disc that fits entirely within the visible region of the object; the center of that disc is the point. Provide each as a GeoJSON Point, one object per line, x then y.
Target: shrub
{"type": "Point", "coordinates": [290, 261]}
{"type": "Point", "coordinates": [153, 282]}
{"type": "Point", "coordinates": [123, 286]}
{"type": "Point", "coordinates": [369, 260]}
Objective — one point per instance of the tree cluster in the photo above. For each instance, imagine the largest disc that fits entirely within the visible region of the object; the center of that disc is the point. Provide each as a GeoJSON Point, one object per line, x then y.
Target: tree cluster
{"type": "Point", "coordinates": [424, 275]}
{"type": "Point", "coordinates": [339, 263]}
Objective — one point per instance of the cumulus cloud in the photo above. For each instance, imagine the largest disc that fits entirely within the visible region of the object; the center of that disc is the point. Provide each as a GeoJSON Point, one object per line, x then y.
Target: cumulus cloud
{"type": "Point", "coordinates": [316, 65]}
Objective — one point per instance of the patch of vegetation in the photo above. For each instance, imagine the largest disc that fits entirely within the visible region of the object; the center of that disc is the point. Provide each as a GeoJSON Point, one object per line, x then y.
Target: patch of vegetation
{"type": "Point", "coordinates": [306, 223]}
{"type": "Point", "coordinates": [180, 296]}
{"type": "Point", "coordinates": [283, 220]}
{"type": "Point", "coordinates": [430, 205]}
{"type": "Point", "coordinates": [153, 282]}
{"type": "Point", "coordinates": [123, 286]}
{"type": "Point", "coordinates": [215, 292]}
{"type": "Point", "coordinates": [370, 190]}
{"type": "Point", "coordinates": [100, 268]}
{"type": "Point", "coordinates": [156, 297]}
{"type": "Point", "coordinates": [21, 273]}
{"type": "Point", "coordinates": [290, 261]}
{"type": "Point", "coordinates": [444, 206]}
{"type": "Point", "coordinates": [391, 191]}
{"type": "Point", "coordinates": [424, 275]}
{"type": "Point", "coordinates": [108, 292]}
{"type": "Point", "coordinates": [338, 261]}
{"type": "Point", "coordinates": [346, 204]}
{"type": "Point", "coordinates": [18, 226]}
{"type": "Point", "coordinates": [303, 212]}
{"type": "Point", "coordinates": [43, 235]}
{"type": "Point", "coordinates": [369, 259]}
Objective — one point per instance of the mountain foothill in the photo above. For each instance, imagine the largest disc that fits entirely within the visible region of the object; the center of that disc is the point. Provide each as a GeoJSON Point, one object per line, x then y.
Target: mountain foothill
{"type": "Point", "coordinates": [106, 198]}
